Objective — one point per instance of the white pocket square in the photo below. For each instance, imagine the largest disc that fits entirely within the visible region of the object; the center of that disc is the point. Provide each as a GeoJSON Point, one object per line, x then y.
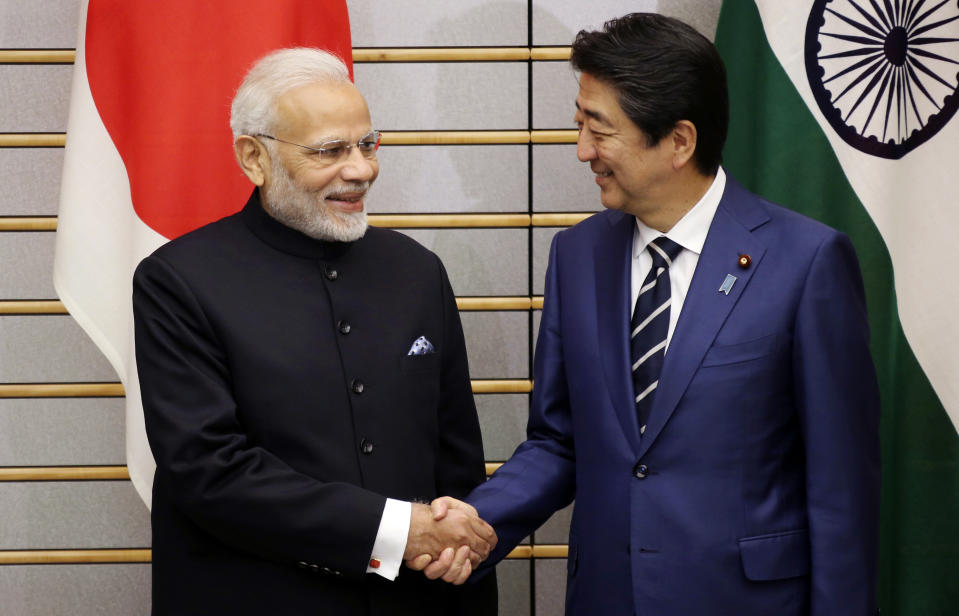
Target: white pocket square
{"type": "Point", "coordinates": [421, 346]}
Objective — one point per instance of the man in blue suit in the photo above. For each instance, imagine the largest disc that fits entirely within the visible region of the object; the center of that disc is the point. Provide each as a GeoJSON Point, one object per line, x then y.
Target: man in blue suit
{"type": "Point", "coordinates": [738, 473]}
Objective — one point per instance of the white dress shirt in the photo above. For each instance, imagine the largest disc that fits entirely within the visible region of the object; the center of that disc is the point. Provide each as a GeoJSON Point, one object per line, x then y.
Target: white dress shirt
{"type": "Point", "coordinates": [690, 233]}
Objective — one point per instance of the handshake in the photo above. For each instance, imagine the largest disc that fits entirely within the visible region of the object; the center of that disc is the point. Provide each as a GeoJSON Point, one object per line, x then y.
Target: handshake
{"type": "Point", "coordinates": [447, 540]}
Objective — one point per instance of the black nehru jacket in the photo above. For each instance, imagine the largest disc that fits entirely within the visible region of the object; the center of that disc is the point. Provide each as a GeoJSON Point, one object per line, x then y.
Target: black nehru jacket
{"type": "Point", "coordinates": [282, 408]}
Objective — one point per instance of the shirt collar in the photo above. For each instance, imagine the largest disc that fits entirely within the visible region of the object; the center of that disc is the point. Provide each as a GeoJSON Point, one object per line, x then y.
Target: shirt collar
{"type": "Point", "coordinates": [691, 230]}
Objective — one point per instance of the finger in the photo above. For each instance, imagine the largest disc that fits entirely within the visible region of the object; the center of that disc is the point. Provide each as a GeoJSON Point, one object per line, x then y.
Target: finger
{"type": "Point", "coordinates": [464, 573]}
{"type": "Point", "coordinates": [439, 507]}
{"type": "Point", "coordinates": [420, 562]}
{"type": "Point", "coordinates": [475, 559]}
{"type": "Point", "coordinates": [441, 566]}
{"type": "Point", "coordinates": [444, 503]}
{"type": "Point", "coordinates": [456, 569]}
{"type": "Point", "coordinates": [483, 529]}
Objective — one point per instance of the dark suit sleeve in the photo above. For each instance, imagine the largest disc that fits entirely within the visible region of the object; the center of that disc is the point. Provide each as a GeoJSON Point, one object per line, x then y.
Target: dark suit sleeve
{"type": "Point", "coordinates": [229, 486]}
{"type": "Point", "coordinates": [838, 402]}
{"type": "Point", "coordinates": [539, 478]}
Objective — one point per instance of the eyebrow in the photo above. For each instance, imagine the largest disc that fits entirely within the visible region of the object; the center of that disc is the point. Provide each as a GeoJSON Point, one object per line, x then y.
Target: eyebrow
{"type": "Point", "coordinates": [596, 115]}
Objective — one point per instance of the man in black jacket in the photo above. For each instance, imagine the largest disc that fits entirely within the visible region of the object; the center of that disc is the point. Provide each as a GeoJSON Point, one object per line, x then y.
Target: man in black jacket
{"type": "Point", "coordinates": [304, 381]}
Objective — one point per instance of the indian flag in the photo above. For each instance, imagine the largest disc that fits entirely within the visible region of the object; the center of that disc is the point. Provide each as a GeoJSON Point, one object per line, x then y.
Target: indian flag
{"type": "Point", "coordinates": [149, 149]}
{"type": "Point", "coordinates": [845, 110]}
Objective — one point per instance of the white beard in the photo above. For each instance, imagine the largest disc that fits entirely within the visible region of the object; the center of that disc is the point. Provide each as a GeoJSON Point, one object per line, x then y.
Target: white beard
{"type": "Point", "coordinates": [307, 212]}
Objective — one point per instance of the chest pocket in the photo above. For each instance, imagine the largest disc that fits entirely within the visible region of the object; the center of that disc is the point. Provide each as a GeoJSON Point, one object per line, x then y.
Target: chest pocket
{"type": "Point", "coordinates": [724, 354]}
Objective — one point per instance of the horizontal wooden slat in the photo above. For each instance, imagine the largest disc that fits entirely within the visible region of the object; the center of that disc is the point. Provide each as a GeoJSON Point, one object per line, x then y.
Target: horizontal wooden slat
{"type": "Point", "coordinates": [61, 390]}
{"type": "Point", "coordinates": [37, 56]}
{"type": "Point", "coordinates": [442, 54]}
{"type": "Point", "coordinates": [144, 555]}
{"type": "Point", "coordinates": [360, 54]}
{"type": "Point", "coordinates": [502, 386]}
{"type": "Point", "coordinates": [394, 221]}
{"type": "Point", "coordinates": [32, 140]}
{"type": "Point", "coordinates": [64, 557]}
{"type": "Point", "coordinates": [426, 137]}
{"type": "Point", "coordinates": [447, 221]}
{"type": "Point", "coordinates": [560, 220]}
{"type": "Point", "coordinates": [97, 473]}
{"type": "Point", "coordinates": [455, 137]}
{"type": "Point", "coordinates": [28, 223]}
{"type": "Point", "coordinates": [63, 473]}
{"type": "Point", "coordinates": [550, 53]}
{"type": "Point", "coordinates": [494, 303]}
{"type": "Point", "coordinates": [115, 390]}
{"type": "Point", "coordinates": [554, 136]}
{"type": "Point", "coordinates": [32, 307]}
{"type": "Point", "coordinates": [53, 306]}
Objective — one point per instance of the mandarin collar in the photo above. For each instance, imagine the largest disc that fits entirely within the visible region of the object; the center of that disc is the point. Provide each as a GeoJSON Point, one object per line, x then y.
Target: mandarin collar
{"type": "Point", "coordinates": [286, 239]}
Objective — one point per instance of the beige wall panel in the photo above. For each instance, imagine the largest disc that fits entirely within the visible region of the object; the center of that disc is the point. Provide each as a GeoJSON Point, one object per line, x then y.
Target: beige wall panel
{"type": "Point", "coordinates": [26, 259]}
{"type": "Point", "coordinates": [503, 422]}
{"type": "Point", "coordinates": [550, 586]}
{"type": "Point", "coordinates": [512, 578]}
{"type": "Point", "coordinates": [480, 261]}
{"type": "Point", "coordinates": [34, 97]}
{"type": "Point", "coordinates": [428, 23]}
{"type": "Point", "coordinates": [701, 14]}
{"type": "Point", "coordinates": [459, 178]}
{"type": "Point", "coordinates": [41, 24]}
{"type": "Point", "coordinates": [75, 590]}
{"type": "Point", "coordinates": [537, 318]}
{"type": "Point", "coordinates": [542, 236]}
{"type": "Point", "coordinates": [30, 178]}
{"type": "Point", "coordinates": [72, 515]}
{"type": "Point", "coordinates": [561, 183]}
{"type": "Point", "coordinates": [556, 23]}
{"type": "Point", "coordinates": [445, 96]}
{"type": "Point", "coordinates": [555, 86]}
{"type": "Point", "coordinates": [49, 348]}
{"type": "Point", "coordinates": [556, 529]}
{"type": "Point", "coordinates": [61, 431]}
{"type": "Point", "coordinates": [496, 344]}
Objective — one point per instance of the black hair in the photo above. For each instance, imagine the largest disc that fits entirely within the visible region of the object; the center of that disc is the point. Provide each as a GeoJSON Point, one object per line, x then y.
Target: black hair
{"type": "Point", "coordinates": [663, 71]}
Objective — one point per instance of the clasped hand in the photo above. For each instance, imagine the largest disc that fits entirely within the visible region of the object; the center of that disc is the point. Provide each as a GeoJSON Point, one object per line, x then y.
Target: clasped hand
{"type": "Point", "coordinates": [447, 540]}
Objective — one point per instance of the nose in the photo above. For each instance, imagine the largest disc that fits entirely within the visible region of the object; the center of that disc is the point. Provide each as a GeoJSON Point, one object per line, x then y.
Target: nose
{"type": "Point", "coordinates": [358, 168]}
{"type": "Point", "coordinates": [585, 146]}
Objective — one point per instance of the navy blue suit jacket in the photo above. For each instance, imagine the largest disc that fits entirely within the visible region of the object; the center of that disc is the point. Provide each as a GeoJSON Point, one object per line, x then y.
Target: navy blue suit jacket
{"type": "Point", "coordinates": [755, 489]}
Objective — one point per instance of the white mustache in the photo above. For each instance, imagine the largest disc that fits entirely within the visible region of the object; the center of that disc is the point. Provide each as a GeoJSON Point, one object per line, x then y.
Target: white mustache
{"type": "Point", "coordinates": [346, 189]}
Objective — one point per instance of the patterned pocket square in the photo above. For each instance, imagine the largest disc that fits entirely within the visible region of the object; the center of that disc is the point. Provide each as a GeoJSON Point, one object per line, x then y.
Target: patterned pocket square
{"type": "Point", "coordinates": [421, 346]}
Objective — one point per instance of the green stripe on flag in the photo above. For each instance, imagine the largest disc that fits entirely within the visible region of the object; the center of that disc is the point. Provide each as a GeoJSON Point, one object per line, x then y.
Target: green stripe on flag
{"type": "Point", "coordinates": [777, 149]}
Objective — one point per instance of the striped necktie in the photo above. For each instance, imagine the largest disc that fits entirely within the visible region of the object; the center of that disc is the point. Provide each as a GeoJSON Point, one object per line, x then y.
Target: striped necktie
{"type": "Point", "coordinates": [650, 326]}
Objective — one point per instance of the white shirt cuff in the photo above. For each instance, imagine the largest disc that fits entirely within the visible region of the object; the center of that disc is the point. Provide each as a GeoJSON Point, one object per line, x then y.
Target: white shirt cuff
{"type": "Point", "coordinates": [391, 539]}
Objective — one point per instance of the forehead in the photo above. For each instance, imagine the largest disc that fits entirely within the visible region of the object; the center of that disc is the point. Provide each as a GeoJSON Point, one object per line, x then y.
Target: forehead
{"type": "Point", "coordinates": [599, 101]}
{"type": "Point", "coordinates": [322, 110]}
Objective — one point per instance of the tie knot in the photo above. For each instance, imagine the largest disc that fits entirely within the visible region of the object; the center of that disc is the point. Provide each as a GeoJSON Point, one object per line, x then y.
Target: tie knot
{"type": "Point", "coordinates": [664, 251]}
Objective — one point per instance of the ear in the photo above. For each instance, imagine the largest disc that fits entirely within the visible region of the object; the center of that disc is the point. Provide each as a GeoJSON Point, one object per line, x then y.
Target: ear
{"type": "Point", "coordinates": [684, 143]}
{"type": "Point", "coordinates": [253, 158]}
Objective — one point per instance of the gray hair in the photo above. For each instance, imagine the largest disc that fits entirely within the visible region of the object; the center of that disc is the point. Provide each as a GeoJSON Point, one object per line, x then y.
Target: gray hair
{"type": "Point", "coordinates": [253, 110]}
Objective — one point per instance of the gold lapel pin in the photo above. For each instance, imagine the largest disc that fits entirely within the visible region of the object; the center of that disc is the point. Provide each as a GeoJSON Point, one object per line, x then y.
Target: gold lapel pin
{"type": "Point", "coordinates": [744, 261]}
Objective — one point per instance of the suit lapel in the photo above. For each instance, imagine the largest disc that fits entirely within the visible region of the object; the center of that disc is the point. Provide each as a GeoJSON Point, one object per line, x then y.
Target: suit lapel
{"type": "Point", "coordinates": [612, 254]}
{"type": "Point", "coordinates": [706, 308]}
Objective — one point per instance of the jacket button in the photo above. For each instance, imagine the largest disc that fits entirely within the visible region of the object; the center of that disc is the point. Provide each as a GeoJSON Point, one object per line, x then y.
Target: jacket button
{"type": "Point", "coordinates": [640, 471]}
{"type": "Point", "coordinates": [331, 273]}
{"type": "Point", "coordinates": [344, 327]}
{"type": "Point", "coordinates": [356, 386]}
{"type": "Point", "coordinates": [366, 446]}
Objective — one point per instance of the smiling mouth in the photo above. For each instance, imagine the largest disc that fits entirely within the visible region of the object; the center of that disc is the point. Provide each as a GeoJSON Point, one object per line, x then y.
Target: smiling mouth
{"type": "Point", "coordinates": [603, 174]}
